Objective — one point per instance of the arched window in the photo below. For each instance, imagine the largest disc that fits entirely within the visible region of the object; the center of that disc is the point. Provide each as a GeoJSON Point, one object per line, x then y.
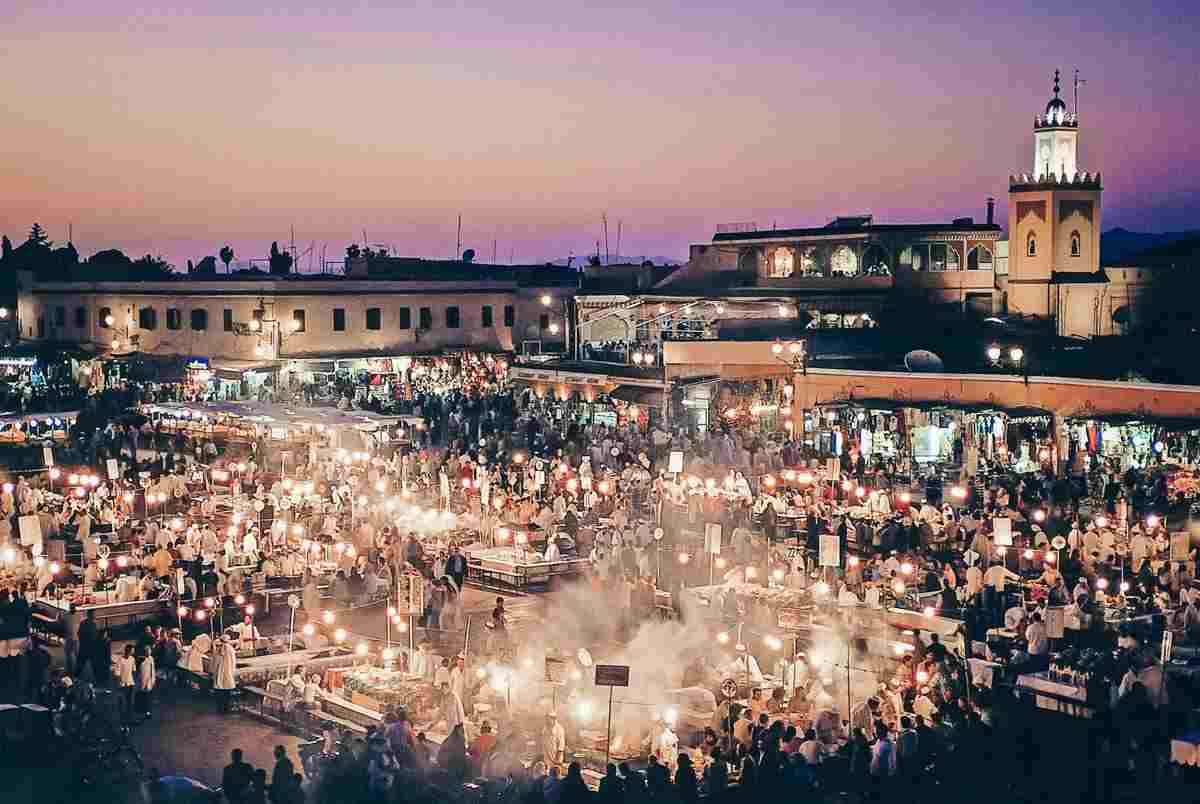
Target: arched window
{"type": "Point", "coordinates": [811, 263]}
{"type": "Point", "coordinates": [875, 261]}
{"type": "Point", "coordinates": [1074, 244]}
{"type": "Point", "coordinates": [1031, 246]}
{"type": "Point", "coordinates": [783, 262]}
{"type": "Point", "coordinates": [843, 262]}
{"type": "Point", "coordinates": [979, 259]}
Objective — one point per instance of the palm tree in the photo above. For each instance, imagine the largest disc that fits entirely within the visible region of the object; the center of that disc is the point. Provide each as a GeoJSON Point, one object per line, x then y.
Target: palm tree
{"type": "Point", "coordinates": [226, 256]}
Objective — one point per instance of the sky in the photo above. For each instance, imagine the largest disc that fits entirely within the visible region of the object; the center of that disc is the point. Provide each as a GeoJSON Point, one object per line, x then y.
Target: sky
{"type": "Point", "coordinates": [173, 128]}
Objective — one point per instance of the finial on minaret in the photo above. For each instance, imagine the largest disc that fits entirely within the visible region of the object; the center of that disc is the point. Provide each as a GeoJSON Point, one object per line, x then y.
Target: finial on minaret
{"type": "Point", "coordinates": [1056, 87]}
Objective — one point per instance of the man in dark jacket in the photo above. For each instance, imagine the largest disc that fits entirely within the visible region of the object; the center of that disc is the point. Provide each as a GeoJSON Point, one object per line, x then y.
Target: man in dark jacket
{"type": "Point", "coordinates": [236, 778]}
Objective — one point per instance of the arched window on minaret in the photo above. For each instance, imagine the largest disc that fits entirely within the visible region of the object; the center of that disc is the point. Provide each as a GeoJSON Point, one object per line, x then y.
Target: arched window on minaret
{"type": "Point", "coordinates": [1031, 245]}
{"type": "Point", "coordinates": [1074, 244]}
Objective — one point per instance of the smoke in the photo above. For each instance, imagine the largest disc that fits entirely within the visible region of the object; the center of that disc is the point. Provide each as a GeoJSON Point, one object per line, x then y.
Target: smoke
{"type": "Point", "coordinates": [657, 652]}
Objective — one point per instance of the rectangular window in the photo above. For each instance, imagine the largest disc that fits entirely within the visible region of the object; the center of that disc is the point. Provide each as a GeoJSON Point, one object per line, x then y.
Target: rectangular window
{"type": "Point", "coordinates": [148, 318]}
{"type": "Point", "coordinates": [297, 321]}
{"type": "Point", "coordinates": [405, 318]}
{"type": "Point", "coordinates": [199, 320]}
{"type": "Point", "coordinates": [227, 320]}
{"type": "Point", "coordinates": [510, 316]}
{"type": "Point", "coordinates": [544, 322]}
{"type": "Point", "coordinates": [102, 317]}
{"type": "Point", "coordinates": [486, 315]}
{"type": "Point", "coordinates": [339, 319]}
{"type": "Point", "coordinates": [374, 318]}
{"type": "Point", "coordinates": [426, 318]}
{"type": "Point", "coordinates": [174, 318]}
{"type": "Point", "coordinates": [60, 316]}
{"type": "Point", "coordinates": [937, 257]}
{"type": "Point", "coordinates": [452, 319]}
{"type": "Point", "coordinates": [81, 317]}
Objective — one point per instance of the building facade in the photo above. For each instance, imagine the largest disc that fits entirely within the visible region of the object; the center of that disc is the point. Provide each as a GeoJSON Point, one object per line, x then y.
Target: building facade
{"type": "Point", "coordinates": [273, 324]}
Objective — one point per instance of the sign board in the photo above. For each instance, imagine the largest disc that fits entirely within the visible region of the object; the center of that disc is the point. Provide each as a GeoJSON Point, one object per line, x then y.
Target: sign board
{"type": "Point", "coordinates": [539, 478]}
{"type": "Point", "coordinates": [794, 552]}
{"type": "Point", "coordinates": [197, 364]}
{"type": "Point", "coordinates": [556, 670]}
{"type": "Point", "coordinates": [1168, 645]}
{"type": "Point", "coordinates": [1002, 531]}
{"type": "Point", "coordinates": [712, 538]}
{"type": "Point", "coordinates": [675, 463]}
{"type": "Point", "coordinates": [416, 594]}
{"type": "Point", "coordinates": [830, 552]}
{"type": "Point", "coordinates": [1056, 621]}
{"type": "Point", "coordinates": [48, 456]}
{"type": "Point", "coordinates": [612, 675]}
{"type": "Point", "coordinates": [31, 530]}
{"type": "Point", "coordinates": [1180, 545]}
{"type": "Point", "coordinates": [114, 468]}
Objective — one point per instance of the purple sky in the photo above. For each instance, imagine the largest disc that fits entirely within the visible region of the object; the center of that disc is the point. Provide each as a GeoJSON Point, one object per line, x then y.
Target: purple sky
{"type": "Point", "coordinates": [156, 127]}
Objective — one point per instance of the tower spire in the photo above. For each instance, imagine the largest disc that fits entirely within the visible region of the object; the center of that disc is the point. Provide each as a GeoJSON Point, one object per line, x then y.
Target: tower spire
{"type": "Point", "coordinates": [1056, 86]}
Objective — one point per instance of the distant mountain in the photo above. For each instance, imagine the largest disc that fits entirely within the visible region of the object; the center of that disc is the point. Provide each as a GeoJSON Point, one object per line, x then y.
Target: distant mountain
{"type": "Point", "coordinates": [1118, 245]}
{"type": "Point", "coordinates": [623, 260]}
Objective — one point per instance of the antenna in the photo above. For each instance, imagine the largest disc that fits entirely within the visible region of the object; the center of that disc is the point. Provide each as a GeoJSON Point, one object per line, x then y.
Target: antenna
{"type": "Point", "coordinates": [619, 240]}
{"type": "Point", "coordinates": [604, 220]}
{"type": "Point", "coordinates": [1078, 81]}
{"type": "Point", "coordinates": [70, 232]}
{"type": "Point", "coordinates": [493, 251]}
{"type": "Point", "coordinates": [458, 242]}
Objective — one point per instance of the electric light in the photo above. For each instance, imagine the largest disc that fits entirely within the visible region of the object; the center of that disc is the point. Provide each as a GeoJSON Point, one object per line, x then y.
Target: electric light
{"type": "Point", "coordinates": [852, 561]}
{"type": "Point", "coordinates": [778, 574]}
{"type": "Point", "coordinates": [751, 572]}
{"type": "Point", "coordinates": [822, 588]}
{"type": "Point", "coordinates": [684, 558]}
{"type": "Point", "coordinates": [1028, 554]}
{"type": "Point", "coordinates": [906, 568]}
{"type": "Point", "coordinates": [182, 611]}
{"type": "Point", "coordinates": [1124, 586]}
{"type": "Point", "coordinates": [1102, 522]}
{"type": "Point", "coordinates": [993, 353]}
{"type": "Point", "coordinates": [929, 611]}
{"type": "Point", "coordinates": [309, 629]}
{"type": "Point", "coordinates": [898, 587]}
{"type": "Point", "coordinates": [240, 599]}
{"type": "Point", "coordinates": [328, 617]}
{"type": "Point", "coordinates": [723, 638]}
{"type": "Point", "coordinates": [361, 650]}
{"type": "Point", "coordinates": [1016, 354]}
{"type": "Point", "coordinates": [1152, 521]}
{"type": "Point", "coordinates": [339, 635]}
{"type": "Point", "coordinates": [719, 563]}
{"type": "Point", "coordinates": [1039, 515]}
{"type": "Point", "coordinates": [546, 299]}
{"type": "Point", "coordinates": [777, 348]}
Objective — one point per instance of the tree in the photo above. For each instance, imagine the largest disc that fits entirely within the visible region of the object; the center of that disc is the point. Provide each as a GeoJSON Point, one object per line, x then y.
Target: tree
{"type": "Point", "coordinates": [148, 268]}
{"type": "Point", "coordinates": [208, 265]}
{"type": "Point", "coordinates": [5, 247]}
{"type": "Point", "coordinates": [353, 252]}
{"type": "Point", "coordinates": [38, 236]}
{"type": "Point", "coordinates": [226, 256]}
{"type": "Point", "coordinates": [281, 261]}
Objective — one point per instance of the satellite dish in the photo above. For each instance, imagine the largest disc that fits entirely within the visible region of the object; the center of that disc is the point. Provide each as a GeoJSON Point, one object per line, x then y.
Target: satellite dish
{"type": "Point", "coordinates": [922, 360]}
{"type": "Point", "coordinates": [584, 657]}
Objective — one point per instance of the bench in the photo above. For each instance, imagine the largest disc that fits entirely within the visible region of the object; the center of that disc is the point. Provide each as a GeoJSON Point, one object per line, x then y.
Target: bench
{"type": "Point", "coordinates": [263, 697]}
{"type": "Point", "coordinates": [324, 718]}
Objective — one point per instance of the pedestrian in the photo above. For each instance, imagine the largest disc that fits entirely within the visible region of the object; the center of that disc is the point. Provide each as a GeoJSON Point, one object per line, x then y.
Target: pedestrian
{"type": "Point", "coordinates": [126, 672]}
{"type": "Point", "coordinates": [281, 777]}
{"type": "Point", "coordinates": [147, 677]}
{"type": "Point", "coordinates": [237, 778]}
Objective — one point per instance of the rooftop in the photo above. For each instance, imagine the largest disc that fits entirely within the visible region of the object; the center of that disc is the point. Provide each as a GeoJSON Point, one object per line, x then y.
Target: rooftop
{"type": "Point", "coordinates": [858, 224]}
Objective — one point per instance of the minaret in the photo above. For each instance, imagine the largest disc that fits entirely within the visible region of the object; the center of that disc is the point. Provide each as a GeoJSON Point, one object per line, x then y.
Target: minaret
{"type": "Point", "coordinates": [1053, 214]}
{"type": "Point", "coordinates": [1055, 140]}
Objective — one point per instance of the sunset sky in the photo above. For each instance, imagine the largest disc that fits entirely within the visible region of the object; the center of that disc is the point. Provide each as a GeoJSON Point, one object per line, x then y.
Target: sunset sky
{"type": "Point", "coordinates": [173, 127]}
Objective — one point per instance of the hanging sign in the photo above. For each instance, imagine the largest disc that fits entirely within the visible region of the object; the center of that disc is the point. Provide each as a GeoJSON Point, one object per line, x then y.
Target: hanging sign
{"type": "Point", "coordinates": [556, 670]}
{"type": "Point", "coordinates": [114, 468]}
{"type": "Point", "coordinates": [675, 463]}
{"type": "Point", "coordinates": [48, 456]}
{"type": "Point", "coordinates": [1056, 621]}
{"type": "Point", "coordinates": [830, 552]}
{"type": "Point", "coordinates": [1180, 546]}
{"type": "Point", "coordinates": [1002, 531]}
{"type": "Point", "coordinates": [712, 538]}
{"type": "Point", "coordinates": [31, 530]}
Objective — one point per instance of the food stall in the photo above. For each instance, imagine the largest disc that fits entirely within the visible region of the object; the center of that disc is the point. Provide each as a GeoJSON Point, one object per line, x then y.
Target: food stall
{"type": "Point", "coordinates": [519, 568]}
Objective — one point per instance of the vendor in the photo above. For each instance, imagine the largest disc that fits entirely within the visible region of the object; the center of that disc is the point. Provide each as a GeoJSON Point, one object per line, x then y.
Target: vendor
{"type": "Point", "coordinates": [554, 742]}
{"type": "Point", "coordinates": [247, 633]}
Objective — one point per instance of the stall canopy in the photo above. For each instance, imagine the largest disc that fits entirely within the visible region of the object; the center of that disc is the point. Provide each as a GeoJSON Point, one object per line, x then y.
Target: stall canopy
{"type": "Point", "coordinates": [636, 395]}
{"type": "Point", "coordinates": [267, 412]}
